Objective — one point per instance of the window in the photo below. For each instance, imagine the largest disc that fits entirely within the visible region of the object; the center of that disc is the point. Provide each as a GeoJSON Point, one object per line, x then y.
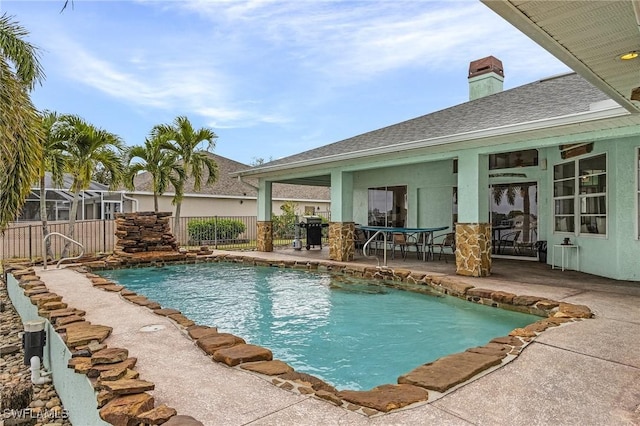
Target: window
{"type": "Point", "coordinates": [580, 196]}
{"type": "Point", "coordinates": [507, 160]}
{"type": "Point", "coordinates": [388, 206]}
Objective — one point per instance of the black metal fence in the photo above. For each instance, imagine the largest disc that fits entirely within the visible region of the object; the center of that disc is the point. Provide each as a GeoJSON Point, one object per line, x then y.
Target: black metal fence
{"type": "Point", "coordinates": [24, 240]}
{"type": "Point", "coordinates": [218, 232]}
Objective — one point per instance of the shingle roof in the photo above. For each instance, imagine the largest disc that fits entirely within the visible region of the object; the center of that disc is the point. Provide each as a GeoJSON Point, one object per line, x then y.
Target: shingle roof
{"type": "Point", "coordinates": [231, 186]}
{"type": "Point", "coordinates": [552, 97]}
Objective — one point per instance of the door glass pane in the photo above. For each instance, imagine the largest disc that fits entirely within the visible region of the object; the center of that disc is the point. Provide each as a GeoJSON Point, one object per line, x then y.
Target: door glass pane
{"type": "Point", "coordinates": [593, 205]}
{"type": "Point", "coordinates": [563, 171]}
{"type": "Point", "coordinates": [592, 184]}
{"type": "Point", "coordinates": [593, 165]}
{"type": "Point", "coordinates": [564, 207]}
{"type": "Point", "coordinates": [564, 224]}
{"type": "Point", "coordinates": [388, 206]}
{"type": "Point", "coordinates": [564, 188]}
{"type": "Point", "coordinates": [379, 206]}
{"type": "Point", "coordinates": [514, 218]}
{"type": "Point", "coordinates": [593, 225]}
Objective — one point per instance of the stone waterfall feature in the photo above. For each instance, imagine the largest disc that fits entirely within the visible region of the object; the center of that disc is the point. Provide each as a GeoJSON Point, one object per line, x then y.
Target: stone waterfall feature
{"type": "Point", "coordinates": [145, 234]}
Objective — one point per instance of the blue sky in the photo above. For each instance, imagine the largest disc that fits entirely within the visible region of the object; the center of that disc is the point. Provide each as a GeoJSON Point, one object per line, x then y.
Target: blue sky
{"type": "Point", "coordinates": [271, 78]}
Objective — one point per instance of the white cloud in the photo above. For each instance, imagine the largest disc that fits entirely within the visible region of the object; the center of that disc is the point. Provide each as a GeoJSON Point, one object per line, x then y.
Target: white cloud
{"type": "Point", "coordinates": [186, 85]}
{"type": "Point", "coordinates": [223, 66]}
{"type": "Point", "coordinates": [344, 42]}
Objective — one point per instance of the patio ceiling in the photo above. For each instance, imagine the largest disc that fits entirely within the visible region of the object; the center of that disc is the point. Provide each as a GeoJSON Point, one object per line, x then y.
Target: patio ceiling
{"type": "Point", "coordinates": [588, 36]}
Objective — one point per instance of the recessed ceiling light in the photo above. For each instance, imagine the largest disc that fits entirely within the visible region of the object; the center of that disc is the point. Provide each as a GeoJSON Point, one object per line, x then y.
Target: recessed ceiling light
{"type": "Point", "coordinates": [629, 55]}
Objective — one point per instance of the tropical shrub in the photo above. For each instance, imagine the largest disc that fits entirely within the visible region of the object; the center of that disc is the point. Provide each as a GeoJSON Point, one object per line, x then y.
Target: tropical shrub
{"type": "Point", "coordinates": [284, 224]}
{"type": "Point", "coordinates": [215, 229]}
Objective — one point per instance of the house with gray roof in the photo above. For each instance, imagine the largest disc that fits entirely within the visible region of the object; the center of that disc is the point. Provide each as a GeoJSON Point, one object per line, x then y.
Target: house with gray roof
{"type": "Point", "coordinates": [230, 196]}
{"type": "Point", "coordinates": [553, 163]}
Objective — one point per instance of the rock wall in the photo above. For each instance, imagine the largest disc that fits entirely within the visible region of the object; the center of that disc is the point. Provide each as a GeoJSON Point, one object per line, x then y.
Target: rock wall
{"type": "Point", "coordinates": [265, 236]}
{"type": "Point", "coordinates": [144, 232]}
{"type": "Point", "coordinates": [473, 249]}
{"type": "Point", "coordinates": [341, 241]}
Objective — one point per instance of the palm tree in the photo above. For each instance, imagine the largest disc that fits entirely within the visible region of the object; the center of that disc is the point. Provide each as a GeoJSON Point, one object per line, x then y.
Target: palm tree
{"type": "Point", "coordinates": [53, 160]}
{"type": "Point", "coordinates": [88, 147]}
{"type": "Point", "coordinates": [20, 132]}
{"type": "Point", "coordinates": [158, 159]}
{"type": "Point", "coordinates": [185, 140]}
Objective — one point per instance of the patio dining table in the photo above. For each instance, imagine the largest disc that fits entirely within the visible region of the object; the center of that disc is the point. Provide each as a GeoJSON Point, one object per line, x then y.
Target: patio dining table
{"type": "Point", "coordinates": [386, 231]}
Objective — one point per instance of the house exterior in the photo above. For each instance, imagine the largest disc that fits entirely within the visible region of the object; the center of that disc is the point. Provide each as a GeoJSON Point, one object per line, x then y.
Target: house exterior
{"type": "Point", "coordinates": [95, 202]}
{"type": "Point", "coordinates": [555, 160]}
{"type": "Point", "coordinates": [229, 196]}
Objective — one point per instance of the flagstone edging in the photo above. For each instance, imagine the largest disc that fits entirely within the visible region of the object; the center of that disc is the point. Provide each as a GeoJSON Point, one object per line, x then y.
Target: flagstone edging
{"type": "Point", "coordinates": [421, 385]}
{"type": "Point", "coordinates": [121, 395]}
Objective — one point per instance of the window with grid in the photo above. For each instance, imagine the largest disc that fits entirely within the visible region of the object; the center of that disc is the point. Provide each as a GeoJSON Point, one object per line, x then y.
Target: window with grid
{"type": "Point", "coordinates": [580, 196]}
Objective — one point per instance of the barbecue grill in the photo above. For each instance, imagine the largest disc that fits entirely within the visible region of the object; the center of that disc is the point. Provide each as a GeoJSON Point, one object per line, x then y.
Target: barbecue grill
{"type": "Point", "coordinates": [313, 226]}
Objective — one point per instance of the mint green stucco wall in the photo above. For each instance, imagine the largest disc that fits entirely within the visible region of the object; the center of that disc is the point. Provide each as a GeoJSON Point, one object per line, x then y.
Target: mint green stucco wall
{"type": "Point", "coordinates": [429, 191]}
{"type": "Point", "coordinates": [617, 253]}
{"type": "Point", "coordinates": [430, 187]}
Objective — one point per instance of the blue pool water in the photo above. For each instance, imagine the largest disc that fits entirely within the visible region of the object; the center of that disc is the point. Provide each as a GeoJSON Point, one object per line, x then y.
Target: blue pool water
{"type": "Point", "coordinates": [352, 333]}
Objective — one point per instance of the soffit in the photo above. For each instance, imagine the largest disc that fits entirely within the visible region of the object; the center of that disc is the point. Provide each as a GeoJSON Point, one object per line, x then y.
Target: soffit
{"type": "Point", "coordinates": [588, 36]}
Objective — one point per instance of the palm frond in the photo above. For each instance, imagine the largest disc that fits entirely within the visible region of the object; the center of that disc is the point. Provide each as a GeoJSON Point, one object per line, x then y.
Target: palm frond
{"type": "Point", "coordinates": [22, 54]}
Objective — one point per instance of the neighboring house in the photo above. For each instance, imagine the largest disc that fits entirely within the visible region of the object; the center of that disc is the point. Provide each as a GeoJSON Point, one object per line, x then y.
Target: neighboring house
{"type": "Point", "coordinates": [96, 202]}
{"type": "Point", "coordinates": [559, 155]}
{"type": "Point", "coordinates": [229, 196]}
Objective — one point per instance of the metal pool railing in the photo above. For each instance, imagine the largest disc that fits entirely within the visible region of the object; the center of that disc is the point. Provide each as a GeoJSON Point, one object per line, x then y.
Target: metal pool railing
{"type": "Point", "coordinates": [71, 240]}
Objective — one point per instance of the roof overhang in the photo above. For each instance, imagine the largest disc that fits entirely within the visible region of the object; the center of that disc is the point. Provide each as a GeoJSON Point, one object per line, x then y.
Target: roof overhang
{"type": "Point", "coordinates": [536, 134]}
{"type": "Point", "coordinates": [587, 35]}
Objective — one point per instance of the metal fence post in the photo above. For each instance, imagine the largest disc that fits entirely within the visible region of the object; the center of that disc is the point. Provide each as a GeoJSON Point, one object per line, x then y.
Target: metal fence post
{"type": "Point", "coordinates": [215, 232]}
{"type": "Point", "coordinates": [30, 244]}
{"type": "Point", "coordinates": [104, 235]}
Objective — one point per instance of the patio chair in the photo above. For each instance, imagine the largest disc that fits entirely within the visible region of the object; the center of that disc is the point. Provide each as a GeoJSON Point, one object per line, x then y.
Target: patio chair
{"type": "Point", "coordinates": [509, 240]}
{"type": "Point", "coordinates": [359, 240]}
{"type": "Point", "coordinates": [416, 240]}
{"type": "Point", "coordinates": [528, 247]}
{"type": "Point", "coordinates": [399, 239]}
{"type": "Point", "coordinates": [448, 241]}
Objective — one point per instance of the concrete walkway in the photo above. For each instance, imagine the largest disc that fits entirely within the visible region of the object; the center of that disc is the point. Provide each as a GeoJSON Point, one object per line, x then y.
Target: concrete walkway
{"type": "Point", "coordinates": [586, 373]}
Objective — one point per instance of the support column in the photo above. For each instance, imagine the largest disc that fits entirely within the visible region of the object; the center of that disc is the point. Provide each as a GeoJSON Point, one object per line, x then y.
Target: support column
{"type": "Point", "coordinates": [473, 249]}
{"type": "Point", "coordinates": [342, 227]}
{"type": "Point", "coordinates": [473, 230]}
{"type": "Point", "coordinates": [341, 241]}
{"type": "Point", "coordinates": [264, 238]}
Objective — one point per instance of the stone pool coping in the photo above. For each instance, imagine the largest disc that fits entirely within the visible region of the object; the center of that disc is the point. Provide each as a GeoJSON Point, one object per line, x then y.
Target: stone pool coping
{"type": "Point", "coordinates": [424, 384]}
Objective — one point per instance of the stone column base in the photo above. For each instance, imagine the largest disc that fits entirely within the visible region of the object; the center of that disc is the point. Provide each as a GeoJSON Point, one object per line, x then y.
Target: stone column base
{"type": "Point", "coordinates": [473, 249]}
{"type": "Point", "coordinates": [265, 236]}
{"type": "Point", "coordinates": [341, 241]}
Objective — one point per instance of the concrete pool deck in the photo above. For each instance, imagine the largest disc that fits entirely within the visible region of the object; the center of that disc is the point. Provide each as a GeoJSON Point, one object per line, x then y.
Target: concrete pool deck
{"type": "Point", "coordinates": [585, 373]}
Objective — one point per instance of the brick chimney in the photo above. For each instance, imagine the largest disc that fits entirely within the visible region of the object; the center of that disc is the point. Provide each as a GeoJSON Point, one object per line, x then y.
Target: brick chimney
{"type": "Point", "coordinates": [486, 76]}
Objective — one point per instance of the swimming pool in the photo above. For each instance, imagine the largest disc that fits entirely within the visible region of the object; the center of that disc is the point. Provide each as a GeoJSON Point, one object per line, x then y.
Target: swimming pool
{"type": "Point", "coordinates": [352, 333]}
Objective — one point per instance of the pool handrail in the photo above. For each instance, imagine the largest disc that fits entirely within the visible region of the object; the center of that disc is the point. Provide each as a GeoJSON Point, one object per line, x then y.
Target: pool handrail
{"type": "Point", "coordinates": [365, 247]}
{"type": "Point", "coordinates": [44, 249]}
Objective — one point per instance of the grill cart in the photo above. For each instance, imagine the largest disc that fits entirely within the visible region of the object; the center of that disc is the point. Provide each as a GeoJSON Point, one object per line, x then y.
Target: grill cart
{"type": "Point", "coordinates": [313, 225]}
